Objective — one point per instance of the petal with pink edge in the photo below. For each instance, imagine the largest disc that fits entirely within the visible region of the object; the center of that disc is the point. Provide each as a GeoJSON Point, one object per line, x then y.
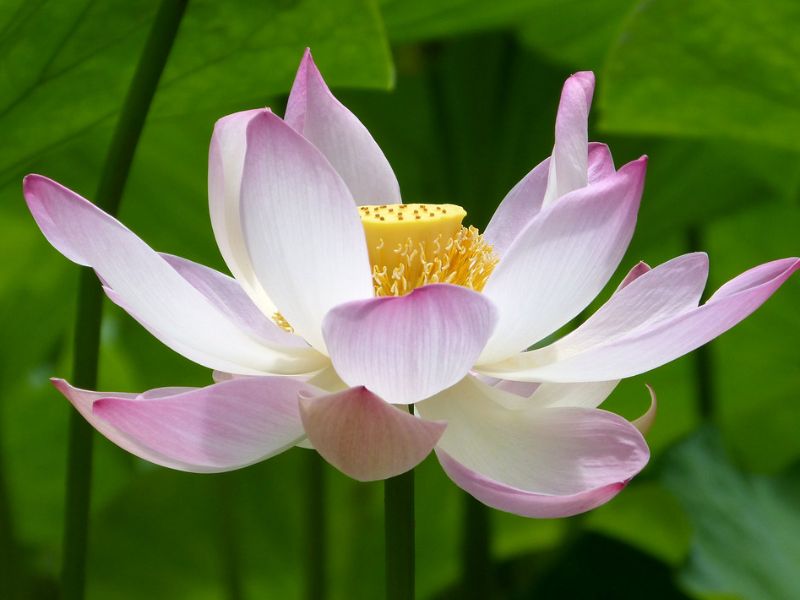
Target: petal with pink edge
{"type": "Point", "coordinates": [365, 437]}
{"type": "Point", "coordinates": [221, 427]}
{"type": "Point", "coordinates": [408, 348]}
{"type": "Point", "coordinates": [148, 287]}
{"type": "Point", "coordinates": [225, 166]}
{"type": "Point", "coordinates": [569, 162]}
{"type": "Point", "coordinates": [645, 334]}
{"type": "Point", "coordinates": [536, 462]}
{"type": "Point", "coordinates": [314, 112]}
{"type": "Point", "coordinates": [301, 227]}
{"type": "Point", "coordinates": [562, 260]}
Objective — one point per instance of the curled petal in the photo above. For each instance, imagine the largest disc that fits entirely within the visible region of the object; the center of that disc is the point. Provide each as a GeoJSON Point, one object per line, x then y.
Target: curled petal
{"type": "Point", "coordinates": [145, 284]}
{"type": "Point", "coordinates": [532, 461]}
{"type": "Point", "coordinates": [365, 437]}
{"type": "Point", "coordinates": [409, 347]}
{"type": "Point", "coordinates": [645, 422]}
{"type": "Point", "coordinates": [569, 162]}
{"type": "Point", "coordinates": [301, 227]}
{"type": "Point", "coordinates": [650, 322]}
{"type": "Point", "coordinates": [562, 260]}
{"type": "Point", "coordinates": [221, 427]}
{"type": "Point", "coordinates": [314, 112]}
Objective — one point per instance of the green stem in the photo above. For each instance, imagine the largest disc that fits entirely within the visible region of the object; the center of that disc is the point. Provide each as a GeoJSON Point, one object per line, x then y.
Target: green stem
{"type": "Point", "coordinates": [398, 502]}
{"type": "Point", "coordinates": [316, 534]}
{"type": "Point", "coordinates": [476, 576]}
{"type": "Point", "coordinates": [87, 327]}
{"type": "Point", "coordinates": [703, 356]}
{"type": "Point", "coordinates": [227, 489]}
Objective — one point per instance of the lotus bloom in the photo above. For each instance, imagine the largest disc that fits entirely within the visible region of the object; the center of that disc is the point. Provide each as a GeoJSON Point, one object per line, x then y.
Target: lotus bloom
{"type": "Point", "coordinates": [347, 305]}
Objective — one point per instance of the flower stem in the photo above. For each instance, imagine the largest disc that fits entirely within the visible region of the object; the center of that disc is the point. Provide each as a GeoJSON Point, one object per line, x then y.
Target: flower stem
{"type": "Point", "coordinates": [703, 357]}
{"type": "Point", "coordinates": [87, 326]}
{"type": "Point", "coordinates": [476, 575]}
{"type": "Point", "coordinates": [398, 502]}
{"type": "Point", "coordinates": [316, 535]}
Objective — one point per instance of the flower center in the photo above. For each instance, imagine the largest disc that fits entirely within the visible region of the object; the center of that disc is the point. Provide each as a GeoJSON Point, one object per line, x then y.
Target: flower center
{"type": "Point", "coordinates": [411, 245]}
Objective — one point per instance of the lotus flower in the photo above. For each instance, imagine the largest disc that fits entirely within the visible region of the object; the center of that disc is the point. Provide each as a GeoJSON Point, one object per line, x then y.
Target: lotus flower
{"type": "Point", "coordinates": [347, 305]}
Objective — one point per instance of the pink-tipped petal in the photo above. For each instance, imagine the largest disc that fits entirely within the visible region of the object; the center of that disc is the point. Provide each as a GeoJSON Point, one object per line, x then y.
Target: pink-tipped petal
{"type": "Point", "coordinates": [562, 260]}
{"type": "Point", "coordinates": [225, 166]}
{"type": "Point", "coordinates": [570, 159]}
{"type": "Point", "coordinates": [637, 271]}
{"type": "Point", "coordinates": [217, 428]}
{"type": "Point", "coordinates": [536, 462]}
{"type": "Point", "coordinates": [148, 287]}
{"type": "Point", "coordinates": [517, 209]}
{"type": "Point", "coordinates": [365, 437]}
{"type": "Point", "coordinates": [641, 327]}
{"type": "Point", "coordinates": [301, 227]}
{"type": "Point", "coordinates": [601, 164]}
{"type": "Point", "coordinates": [314, 112]}
{"type": "Point", "coordinates": [409, 347]}
{"type": "Point", "coordinates": [228, 295]}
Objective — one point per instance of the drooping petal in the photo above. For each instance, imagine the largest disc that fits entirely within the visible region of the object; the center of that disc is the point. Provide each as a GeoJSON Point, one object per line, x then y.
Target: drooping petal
{"type": "Point", "coordinates": [364, 436]}
{"type": "Point", "coordinates": [562, 260]}
{"type": "Point", "coordinates": [536, 462]}
{"type": "Point", "coordinates": [569, 161]}
{"type": "Point", "coordinates": [409, 347]}
{"type": "Point", "coordinates": [230, 298]}
{"type": "Point", "coordinates": [637, 330]}
{"type": "Point", "coordinates": [145, 285]}
{"type": "Point", "coordinates": [221, 427]}
{"type": "Point", "coordinates": [225, 166]}
{"type": "Point", "coordinates": [315, 112]}
{"type": "Point", "coordinates": [301, 227]}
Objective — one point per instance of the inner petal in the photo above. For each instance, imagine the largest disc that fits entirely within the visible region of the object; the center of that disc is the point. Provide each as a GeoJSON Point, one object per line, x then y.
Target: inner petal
{"type": "Point", "coordinates": [411, 245]}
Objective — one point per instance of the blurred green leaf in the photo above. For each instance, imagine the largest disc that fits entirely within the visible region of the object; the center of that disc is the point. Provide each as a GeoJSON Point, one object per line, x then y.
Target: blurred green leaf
{"type": "Point", "coordinates": [746, 528]}
{"type": "Point", "coordinates": [716, 68]}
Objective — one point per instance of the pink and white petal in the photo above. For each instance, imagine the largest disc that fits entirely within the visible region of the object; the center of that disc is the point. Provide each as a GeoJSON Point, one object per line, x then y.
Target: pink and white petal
{"type": "Point", "coordinates": [365, 437]}
{"type": "Point", "coordinates": [225, 166]}
{"type": "Point", "coordinates": [408, 348]}
{"type": "Point", "coordinates": [221, 427]}
{"type": "Point", "coordinates": [648, 343]}
{"type": "Point", "coordinates": [228, 295]}
{"type": "Point", "coordinates": [145, 284]}
{"type": "Point", "coordinates": [301, 227]}
{"type": "Point", "coordinates": [569, 161]}
{"type": "Point", "coordinates": [314, 112]}
{"type": "Point", "coordinates": [601, 164]}
{"type": "Point", "coordinates": [636, 271]}
{"type": "Point", "coordinates": [539, 462]}
{"type": "Point", "coordinates": [562, 260]}
{"type": "Point", "coordinates": [208, 435]}
{"type": "Point", "coordinates": [517, 209]}
{"type": "Point", "coordinates": [582, 395]}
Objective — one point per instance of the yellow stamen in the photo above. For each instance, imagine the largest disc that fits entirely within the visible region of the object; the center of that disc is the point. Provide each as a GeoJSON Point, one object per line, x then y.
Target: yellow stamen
{"type": "Point", "coordinates": [281, 322]}
{"type": "Point", "coordinates": [411, 245]}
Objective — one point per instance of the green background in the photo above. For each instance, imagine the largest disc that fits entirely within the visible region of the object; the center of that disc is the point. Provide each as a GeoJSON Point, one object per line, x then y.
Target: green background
{"type": "Point", "coordinates": [461, 95]}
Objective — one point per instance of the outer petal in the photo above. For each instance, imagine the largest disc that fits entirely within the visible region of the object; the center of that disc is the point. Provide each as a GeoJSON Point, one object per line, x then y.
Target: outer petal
{"type": "Point", "coordinates": [601, 164]}
{"type": "Point", "coordinates": [537, 462]}
{"type": "Point", "coordinates": [314, 112]}
{"type": "Point", "coordinates": [148, 287]}
{"type": "Point", "coordinates": [365, 437]}
{"type": "Point", "coordinates": [228, 295]}
{"type": "Point", "coordinates": [562, 260]}
{"type": "Point", "coordinates": [302, 230]}
{"type": "Point", "coordinates": [225, 165]}
{"type": "Point", "coordinates": [633, 342]}
{"type": "Point", "coordinates": [569, 163]}
{"type": "Point", "coordinates": [409, 347]}
{"type": "Point", "coordinates": [221, 427]}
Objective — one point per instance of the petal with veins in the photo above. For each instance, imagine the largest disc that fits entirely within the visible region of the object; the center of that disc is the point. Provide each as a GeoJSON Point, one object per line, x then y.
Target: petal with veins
{"type": "Point", "coordinates": [314, 112]}
{"type": "Point", "coordinates": [537, 462]}
{"type": "Point", "coordinates": [301, 227]}
{"type": "Point", "coordinates": [365, 437]}
{"type": "Point", "coordinates": [409, 347]}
